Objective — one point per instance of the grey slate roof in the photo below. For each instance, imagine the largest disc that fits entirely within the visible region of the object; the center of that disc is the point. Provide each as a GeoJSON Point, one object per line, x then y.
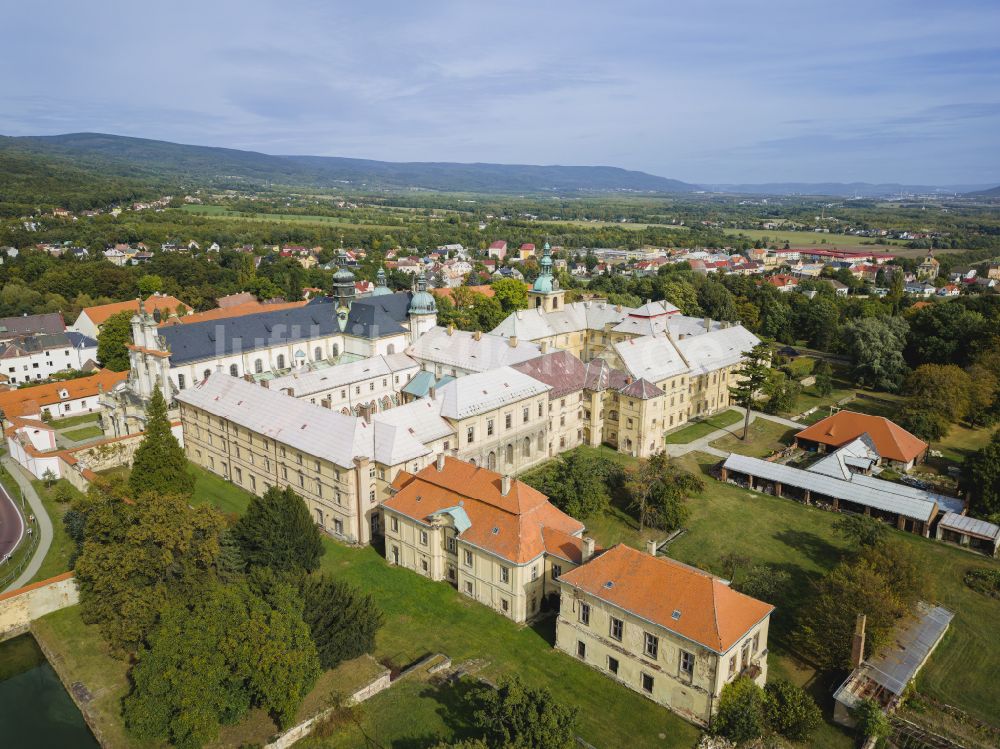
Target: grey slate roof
{"type": "Point", "coordinates": [971, 526]}
{"type": "Point", "coordinates": [368, 318]}
{"type": "Point", "coordinates": [47, 323]}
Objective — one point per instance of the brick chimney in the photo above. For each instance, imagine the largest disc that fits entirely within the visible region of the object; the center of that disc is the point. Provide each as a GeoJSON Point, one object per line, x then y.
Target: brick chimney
{"type": "Point", "coordinates": [440, 462]}
{"type": "Point", "coordinates": [505, 485]}
{"type": "Point", "coordinates": [588, 548]}
{"type": "Point", "coordinates": [651, 547]}
{"type": "Point", "coordinates": [858, 642]}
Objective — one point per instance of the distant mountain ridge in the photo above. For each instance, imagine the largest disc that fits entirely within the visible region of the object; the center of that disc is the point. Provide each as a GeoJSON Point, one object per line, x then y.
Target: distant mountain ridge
{"type": "Point", "coordinates": [842, 189]}
{"type": "Point", "coordinates": [125, 156]}
{"type": "Point", "coordinates": [993, 192]}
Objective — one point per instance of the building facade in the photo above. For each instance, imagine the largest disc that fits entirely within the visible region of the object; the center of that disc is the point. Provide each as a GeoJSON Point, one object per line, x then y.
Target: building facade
{"type": "Point", "coordinates": [671, 632]}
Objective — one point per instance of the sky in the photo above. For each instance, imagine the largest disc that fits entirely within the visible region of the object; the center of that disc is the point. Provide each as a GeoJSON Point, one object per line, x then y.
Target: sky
{"type": "Point", "coordinates": [704, 91]}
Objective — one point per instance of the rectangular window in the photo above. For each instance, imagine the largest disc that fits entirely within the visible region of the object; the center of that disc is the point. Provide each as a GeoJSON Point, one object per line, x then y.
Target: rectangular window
{"type": "Point", "coordinates": [489, 428]}
{"type": "Point", "coordinates": [613, 665]}
{"type": "Point", "coordinates": [581, 650]}
{"type": "Point", "coordinates": [746, 653]}
{"type": "Point", "coordinates": [687, 664]}
{"type": "Point", "coordinates": [617, 626]}
{"type": "Point", "coordinates": [423, 538]}
{"type": "Point", "coordinates": [647, 683]}
{"type": "Point", "coordinates": [585, 614]}
{"type": "Point", "coordinates": [732, 665]}
{"type": "Point", "coordinates": [541, 409]}
{"type": "Point", "coordinates": [338, 527]}
{"type": "Point", "coordinates": [468, 558]}
{"type": "Point", "coordinates": [423, 565]}
{"type": "Point", "coordinates": [756, 642]}
{"type": "Point", "coordinates": [525, 414]}
{"type": "Point", "coordinates": [651, 645]}
{"type": "Point", "coordinates": [470, 434]}
{"type": "Point", "coordinates": [452, 544]}
{"type": "Point", "coordinates": [556, 571]}
{"type": "Point", "coordinates": [394, 524]}
{"type": "Point", "coordinates": [504, 605]}
{"type": "Point", "coordinates": [504, 574]}
{"type": "Point", "coordinates": [469, 588]}
{"type": "Point", "coordinates": [534, 572]}
{"type": "Point", "coordinates": [508, 421]}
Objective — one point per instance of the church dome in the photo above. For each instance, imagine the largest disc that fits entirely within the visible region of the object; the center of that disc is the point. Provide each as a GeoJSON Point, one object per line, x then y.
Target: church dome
{"type": "Point", "coordinates": [343, 276]}
{"type": "Point", "coordinates": [543, 285]}
{"type": "Point", "coordinates": [423, 303]}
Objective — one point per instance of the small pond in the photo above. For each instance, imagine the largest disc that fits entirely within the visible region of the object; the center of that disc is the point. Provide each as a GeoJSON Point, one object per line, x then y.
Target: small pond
{"type": "Point", "coordinates": [35, 709]}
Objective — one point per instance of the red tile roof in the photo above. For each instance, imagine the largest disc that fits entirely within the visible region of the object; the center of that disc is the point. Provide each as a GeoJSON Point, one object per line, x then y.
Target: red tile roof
{"type": "Point", "coordinates": [163, 303]}
{"type": "Point", "coordinates": [510, 526]}
{"type": "Point", "coordinates": [30, 400]}
{"type": "Point", "coordinates": [685, 600]}
{"type": "Point", "coordinates": [890, 439]}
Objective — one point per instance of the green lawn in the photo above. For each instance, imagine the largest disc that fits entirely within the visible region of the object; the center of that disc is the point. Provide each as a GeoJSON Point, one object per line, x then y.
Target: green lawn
{"type": "Point", "coordinates": [84, 433]}
{"type": "Point", "coordinates": [57, 560]}
{"type": "Point", "coordinates": [763, 438]}
{"type": "Point", "coordinates": [808, 239]}
{"type": "Point", "coordinates": [72, 421]}
{"type": "Point", "coordinates": [700, 429]}
{"type": "Point", "coordinates": [215, 490]}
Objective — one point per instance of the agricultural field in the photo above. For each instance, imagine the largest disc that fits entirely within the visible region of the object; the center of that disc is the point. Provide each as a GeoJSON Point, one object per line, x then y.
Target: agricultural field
{"type": "Point", "coordinates": [813, 239]}
{"type": "Point", "coordinates": [221, 212]}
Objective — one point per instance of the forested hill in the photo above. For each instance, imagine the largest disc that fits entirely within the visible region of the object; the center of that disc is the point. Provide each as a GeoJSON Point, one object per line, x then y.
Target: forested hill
{"type": "Point", "coordinates": [991, 193]}
{"type": "Point", "coordinates": [123, 157]}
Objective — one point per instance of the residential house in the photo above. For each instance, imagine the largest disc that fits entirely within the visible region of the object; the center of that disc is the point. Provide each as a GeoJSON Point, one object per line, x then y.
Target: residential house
{"type": "Point", "coordinates": [47, 323]}
{"type": "Point", "coordinates": [497, 540]}
{"type": "Point", "coordinates": [60, 399]}
{"type": "Point", "coordinates": [497, 250]}
{"type": "Point", "coordinates": [670, 632]}
{"type": "Point", "coordinates": [34, 358]}
{"type": "Point", "coordinates": [91, 319]}
{"type": "Point", "coordinates": [895, 445]}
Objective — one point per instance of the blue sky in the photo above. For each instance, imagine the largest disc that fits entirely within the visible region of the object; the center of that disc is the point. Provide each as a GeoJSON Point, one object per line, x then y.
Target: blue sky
{"type": "Point", "coordinates": [709, 91]}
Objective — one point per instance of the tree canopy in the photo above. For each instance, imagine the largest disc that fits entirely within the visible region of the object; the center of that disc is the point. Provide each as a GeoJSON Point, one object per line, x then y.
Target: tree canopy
{"type": "Point", "coordinates": [159, 464]}
{"type": "Point", "coordinates": [277, 531]}
{"type": "Point", "coordinates": [114, 335]}
{"type": "Point", "coordinates": [517, 716]}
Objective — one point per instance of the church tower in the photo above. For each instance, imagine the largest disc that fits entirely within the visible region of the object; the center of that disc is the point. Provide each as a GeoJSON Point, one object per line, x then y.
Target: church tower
{"type": "Point", "coordinates": [423, 309]}
{"type": "Point", "coordinates": [545, 292]}
{"type": "Point", "coordinates": [343, 294]}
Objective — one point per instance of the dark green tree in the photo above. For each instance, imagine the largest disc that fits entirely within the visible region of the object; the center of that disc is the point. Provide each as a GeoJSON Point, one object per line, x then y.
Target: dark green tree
{"type": "Point", "coordinates": [717, 301]}
{"type": "Point", "coordinates": [511, 294]}
{"type": "Point", "coordinates": [750, 376]}
{"type": "Point", "coordinates": [981, 478]}
{"type": "Point", "coordinates": [742, 711]}
{"type": "Point", "coordinates": [861, 530]}
{"type": "Point", "coordinates": [790, 711]}
{"type": "Point", "coordinates": [823, 373]}
{"type": "Point", "coordinates": [114, 335]}
{"type": "Point", "coordinates": [658, 490]}
{"type": "Point", "coordinates": [516, 716]}
{"type": "Point", "coordinates": [342, 619]}
{"type": "Point", "coordinates": [277, 531]}
{"type": "Point", "coordinates": [159, 464]}
{"type": "Point", "coordinates": [248, 652]}
{"type": "Point", "coordinates": [575, 483]}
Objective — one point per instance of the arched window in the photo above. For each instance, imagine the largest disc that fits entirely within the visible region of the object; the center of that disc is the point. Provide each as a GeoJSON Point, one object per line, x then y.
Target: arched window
{"type": "Point", "coordinates": [509, 454]}
{"type": "Point", "coordinates": [526, 448]}
{"type": "Point", "coordinates": [258, 366]}
{"type": "Point", "coordinates": [181, 382]}
{"type": "Point", "coordinates": [541, 442]}
{"type": "Point", "coordinates": [234, 370]}
{"type": "Point", "coordinates": [207, 373]}
{"type": "Point", "coordinates": [491, 461]}
{"type": "Point", "coordinates": [391, 348]}
{"type": "Point", "coordinates": [317, 353]}
{"type": "Point", "coordinates": [281, 361]}
{"type": "Point", "coordinates": [472, 462]}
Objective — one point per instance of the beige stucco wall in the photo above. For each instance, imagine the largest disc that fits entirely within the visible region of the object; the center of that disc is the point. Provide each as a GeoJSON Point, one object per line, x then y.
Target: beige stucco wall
{"type": "Point", "coordinates": [534, 429]}
{"type": "Point", "coordinates": [19, 608]}
{"type": "Point", "coordinates": [694, 698]}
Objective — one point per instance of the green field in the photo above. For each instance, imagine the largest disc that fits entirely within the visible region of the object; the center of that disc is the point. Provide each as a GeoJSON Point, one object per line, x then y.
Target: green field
{"type": "Point", "coordinates": [57, 559]}
{"type": "Point", "coordinates": [72, 421]}
{"type": "Point", "coordinates": [84, 433]}
{"type": "Point", "coordinates": [218, 211]}
{"type": "Point", "coordinates": [811, 239]}
{"type": "Point", "coordinates": [700, 429]}
{"type": "Point", "coordinates": [605, 224]}
{"type": "Point", "coordinates": [763, 438]}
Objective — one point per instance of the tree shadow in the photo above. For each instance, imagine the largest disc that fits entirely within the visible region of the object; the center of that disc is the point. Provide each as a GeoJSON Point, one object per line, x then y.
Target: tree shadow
{"type": "Point", "coordinates": [454, 707]}
{"type": "Point", "coordinates": [813, 547]}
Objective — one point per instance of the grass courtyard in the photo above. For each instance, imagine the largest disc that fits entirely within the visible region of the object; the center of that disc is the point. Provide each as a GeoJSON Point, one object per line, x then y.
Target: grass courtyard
{"type": "Point", "coordinates": [84, 433]}
{"type": "Point", "coordinates": [703, 428]}
{"type": "Point", "coordinates": [764, 437]}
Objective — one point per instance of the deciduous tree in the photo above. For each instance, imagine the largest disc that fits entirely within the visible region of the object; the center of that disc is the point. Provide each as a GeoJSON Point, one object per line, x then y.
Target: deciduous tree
{"type": "Point", "coordinates": [657, 491]}
{"type": "Point", "coordinates": [115, 334]}
{"type": "Point", "coordinates": [517, 716]}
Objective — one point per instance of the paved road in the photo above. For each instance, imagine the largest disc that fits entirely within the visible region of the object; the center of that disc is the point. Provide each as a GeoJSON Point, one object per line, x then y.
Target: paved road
{"type": "Point", "coordinates": [11, 524]}
{"type": "Point", "coordinates": [43, 524]}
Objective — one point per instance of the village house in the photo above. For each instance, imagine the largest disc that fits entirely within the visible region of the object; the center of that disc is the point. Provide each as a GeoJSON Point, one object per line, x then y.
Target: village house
{"type": "Point", "coordinates": [497, 540]}
{"type": "Point", "coordinates": [91, 319]}
{"type": "Point", "coordinates": [46, 323]}
{"type": "Point", "coordinates": [670, 632]}
{"type": "Point", "coordinates": [38, 357]}
{"type": "Point", "coordinates": [896, 446]}
{"type": "Point", "coordinates": [59, 399]}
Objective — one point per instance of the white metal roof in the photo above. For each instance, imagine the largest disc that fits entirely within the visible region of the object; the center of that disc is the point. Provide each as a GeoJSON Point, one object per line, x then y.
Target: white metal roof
{"type": "Point", "coordinates": [715, 349]}
{"type": "Point", "coordinates": [485, 391]}
{"type": "Point", "coordinates": [313, 381]}
{"type": "Point", "coordinates": [463, 350]}
{"type": "Point", "coordinates": [862, 490]}
{"type": "Point", "coordinates": [392, 436]}
{"type": "Point", "coordinates": [972, 526]}
{"type": "Point", "coordinates": [651, 358]}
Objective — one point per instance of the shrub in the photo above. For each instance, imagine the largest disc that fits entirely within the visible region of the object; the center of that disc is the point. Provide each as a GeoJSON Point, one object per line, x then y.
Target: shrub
{"type": "Point", "coordinates": [984, 580]}
{"type": "Point", "coordinates": [742, 711]}
{"type": "Point", "coordinates": [791, 711]}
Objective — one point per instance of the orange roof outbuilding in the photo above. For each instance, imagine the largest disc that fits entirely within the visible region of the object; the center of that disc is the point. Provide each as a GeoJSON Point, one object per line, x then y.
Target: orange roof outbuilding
{"type": "Point", "coordinates": [162, 302]}
{"type": "Point", "coordinates": [687, 601]}
{"type": "Point", "coordinates": [512, 525]}
{"type": "Point", "coordinates": [890, 440]}
{"type": "Point", "coordinates": [31, 400]}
